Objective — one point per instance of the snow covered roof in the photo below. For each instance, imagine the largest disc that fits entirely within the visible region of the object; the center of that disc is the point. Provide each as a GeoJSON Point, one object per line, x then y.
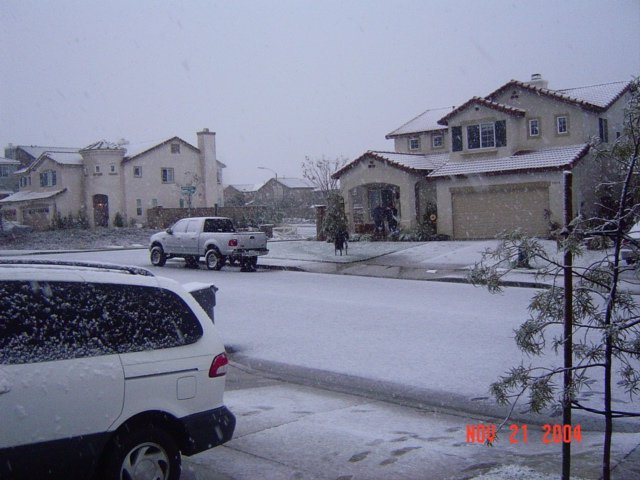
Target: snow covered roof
{"type": "Point", "coordinates": [594, 97]}
{"type": "Point", "coordinates": [247, 187]}
{"type": "Point", "coordinates": [64, 158]}
{"type": "Point", "coordinates": [543, 159]}
{"type": "Point", "coordinates": [425, 122]}
{"type": "Point", "coordinates": [35, 150]}
{"type": "Point", "coordinates": [8, 161]}
{"type": "Point", "coordinates": [103, 145]}
{"type": "Point", "coordinates": [412, 162]}
{"type": "Point", "coordinates": [516, 112]}
{"type": "Point", "coordinates": [30, 196]}
{"type": "Point", "coordinates": [295, 182]}
{"type": "Point", "coordinates": [600, 95]}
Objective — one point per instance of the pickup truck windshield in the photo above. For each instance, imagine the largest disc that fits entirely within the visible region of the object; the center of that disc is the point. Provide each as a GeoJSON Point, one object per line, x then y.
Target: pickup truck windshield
{"type": "Point", "coordinates": [218, 225]}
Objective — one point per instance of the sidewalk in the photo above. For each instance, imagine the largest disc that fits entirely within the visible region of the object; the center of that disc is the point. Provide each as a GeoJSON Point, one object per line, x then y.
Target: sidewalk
{"type": "Point", "coordinates": [448, 261]}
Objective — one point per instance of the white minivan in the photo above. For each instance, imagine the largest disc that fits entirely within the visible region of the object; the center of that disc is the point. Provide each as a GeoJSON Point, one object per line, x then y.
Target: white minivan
{"type": "Point", "coordinates": [105, 372]}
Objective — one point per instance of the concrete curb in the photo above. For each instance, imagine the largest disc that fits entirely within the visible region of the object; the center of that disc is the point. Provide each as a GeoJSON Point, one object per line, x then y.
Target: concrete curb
{"type": "Point", "coordinates": [416, 397]}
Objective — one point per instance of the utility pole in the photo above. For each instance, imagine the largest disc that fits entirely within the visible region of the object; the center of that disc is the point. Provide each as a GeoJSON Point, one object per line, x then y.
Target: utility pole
{"type": "Point", "coordinates": [568, 323]}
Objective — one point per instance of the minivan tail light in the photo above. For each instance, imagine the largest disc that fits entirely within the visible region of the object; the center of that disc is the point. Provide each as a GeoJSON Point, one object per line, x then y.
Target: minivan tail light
{"type": "Point", "coordinates": [233, 242]}
{"type": "Point", "coordinates": [219, 366]}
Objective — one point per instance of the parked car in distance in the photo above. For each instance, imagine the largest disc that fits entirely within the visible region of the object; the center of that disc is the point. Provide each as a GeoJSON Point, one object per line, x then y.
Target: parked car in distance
{"type": "Point", "coordinates": [630, 251]}
{"type": "Point", "coordinates": [214, 238]}
{"type": "Point", "coordinates": [106, 372]}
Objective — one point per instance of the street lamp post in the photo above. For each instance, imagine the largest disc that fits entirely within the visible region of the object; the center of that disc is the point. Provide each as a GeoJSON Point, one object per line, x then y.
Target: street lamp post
{"type": "Point", "coordinates": [275, 193]}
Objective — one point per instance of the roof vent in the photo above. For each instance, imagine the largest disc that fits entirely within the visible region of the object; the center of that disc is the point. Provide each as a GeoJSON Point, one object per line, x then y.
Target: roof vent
{"type": "Point", "coordinates": [538, 82]}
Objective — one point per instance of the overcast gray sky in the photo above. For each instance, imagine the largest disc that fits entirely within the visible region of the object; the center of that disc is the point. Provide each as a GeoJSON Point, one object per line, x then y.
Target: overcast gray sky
{"type": "Point", "coordinates": [280, 80]}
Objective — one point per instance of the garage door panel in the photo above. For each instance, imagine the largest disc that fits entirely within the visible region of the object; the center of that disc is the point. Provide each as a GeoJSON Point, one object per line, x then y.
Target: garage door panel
{"type": "Point", "coordinates": [486, 213]}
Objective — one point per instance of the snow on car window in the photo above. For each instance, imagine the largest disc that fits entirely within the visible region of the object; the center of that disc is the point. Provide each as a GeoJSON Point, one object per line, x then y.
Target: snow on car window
{"type": "Point", "coordinates": [45, 321]}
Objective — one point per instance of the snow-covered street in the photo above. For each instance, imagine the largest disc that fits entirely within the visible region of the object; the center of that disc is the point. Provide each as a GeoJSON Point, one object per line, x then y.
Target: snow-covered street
{"type": "Point", "coordinates": [427, 344]}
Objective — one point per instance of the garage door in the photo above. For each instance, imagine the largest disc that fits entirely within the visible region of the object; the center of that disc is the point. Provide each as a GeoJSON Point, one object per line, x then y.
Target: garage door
{"type": "Point", "coordinates": [486, 213]}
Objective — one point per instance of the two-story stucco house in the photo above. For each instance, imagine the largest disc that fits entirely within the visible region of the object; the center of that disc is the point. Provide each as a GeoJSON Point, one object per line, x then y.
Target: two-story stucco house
{"type": "Point", "coordinates": [494, 163]}
{"type": "Point", "coordinates": [101, 181]}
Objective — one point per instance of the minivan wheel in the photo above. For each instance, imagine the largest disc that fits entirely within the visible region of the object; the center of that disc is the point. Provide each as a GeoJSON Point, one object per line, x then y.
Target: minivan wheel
{"type": "Point", "coordinates": [158, 257]}
{"type": "Point", "coordinates": [214, 260]}
{"type": "Point", "coordinates": [143, 454]}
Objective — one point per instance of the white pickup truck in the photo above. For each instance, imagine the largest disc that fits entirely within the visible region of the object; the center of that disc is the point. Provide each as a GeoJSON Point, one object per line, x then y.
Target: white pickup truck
{"type": "Point", "coordinates": [213, 238]}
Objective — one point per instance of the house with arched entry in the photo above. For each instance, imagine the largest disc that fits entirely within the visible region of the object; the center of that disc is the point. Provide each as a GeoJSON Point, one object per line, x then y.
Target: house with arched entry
{"type": "Point", "coordinates": [102, 181]}
{"type": "Point", "coordinates": [493, 164]}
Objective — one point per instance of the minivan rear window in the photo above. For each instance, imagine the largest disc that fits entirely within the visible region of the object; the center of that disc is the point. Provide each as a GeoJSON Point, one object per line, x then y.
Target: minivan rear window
{"type": "Point", "coordinates": [45, 321]}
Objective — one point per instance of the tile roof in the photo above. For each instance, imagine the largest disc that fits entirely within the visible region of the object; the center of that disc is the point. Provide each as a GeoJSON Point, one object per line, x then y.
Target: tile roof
{"type": "Point", "coordinates": [425, 122]}
{"type": "Point", "coordinates": [600, 95]}
{"type": "Point", "coordinates": [594, 97]}
{"type": "Point", "coordinates": [544, 159]}
{"type": "Point", "coordinates": [413, 162]}
{"type": "Point", "coordinates": [27, 196]}
{"type": "Point", "coordinates": [103, 145]}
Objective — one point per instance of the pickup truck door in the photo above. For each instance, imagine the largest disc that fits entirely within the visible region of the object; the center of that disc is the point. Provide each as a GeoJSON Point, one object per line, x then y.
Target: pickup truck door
{"type": "Point", "coordinates": [191, 237]}
{"type": "Point", "coordinates": [174, 242]}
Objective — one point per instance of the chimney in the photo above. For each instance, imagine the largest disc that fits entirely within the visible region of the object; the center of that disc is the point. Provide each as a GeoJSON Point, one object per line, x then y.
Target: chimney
{"type": "Point", "coordinates": [209, 167]}
{"type": "Point", "coordinates": [537, 81]}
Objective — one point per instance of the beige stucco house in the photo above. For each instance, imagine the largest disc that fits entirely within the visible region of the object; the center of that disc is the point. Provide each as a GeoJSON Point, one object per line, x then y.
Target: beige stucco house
{"type": "Point", "coordinates": [494, 163]}
{"type": "Point", "coordinates": [101, 181]}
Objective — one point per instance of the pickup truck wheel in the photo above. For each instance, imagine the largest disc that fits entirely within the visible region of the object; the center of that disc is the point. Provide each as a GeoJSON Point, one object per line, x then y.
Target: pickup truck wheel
{"type": "Point", "coordinates": [158, 257]}
{"type": "Point", "coordinates": [214, 260]}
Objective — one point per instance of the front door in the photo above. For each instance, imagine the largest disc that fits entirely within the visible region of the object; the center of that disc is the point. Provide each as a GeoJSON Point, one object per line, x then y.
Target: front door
{"type": "Point", "coordinates": [101, 210]}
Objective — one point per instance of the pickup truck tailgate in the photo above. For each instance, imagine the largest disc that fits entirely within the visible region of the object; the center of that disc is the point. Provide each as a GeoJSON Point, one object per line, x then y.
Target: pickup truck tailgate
{"type": "Point", "coordinates": [252, 241]}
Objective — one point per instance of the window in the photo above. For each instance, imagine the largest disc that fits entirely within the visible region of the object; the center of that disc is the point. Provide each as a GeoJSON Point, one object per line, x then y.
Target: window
{"type": "Point", "coordinates": [167, 175]}
{"type": "Point", "coordinates": [437, 140]}
{"type": "Point", "coordinates": [562, 125]}
{"type": "Point", "coordinates": [154, 202]}
{"type": "Point", "coordinates": [482, 135]}
{"type": "Point", "coordinates": [4, 170]}
{"type": "Point", "coordinates": [414, 143]}
{"type": "Point", "coordinates": [112, 168]}
{"type": "Point", "coordinates": [534, 127]}
{"type": "Point", "coordinates": [47, 321]}
{"type": "Point", "coordinates": [137, 171]}
{"type": "Point", "coordinates": [175, 148]}
{"type": "Point", "coordinates": [456, 138]}
{"type": "Point", "coordinates": [25, 181]}
{"type": "Point", "coordinates": [218, 225]}
{"type": "Point", "coordinates": [48, 178]}
{"type": "Point", "coordinates": [603, 125]}
{"type": "Point", "coordinates": [139, 207]}
{"type": "Point", "coordinates": [97, 170]}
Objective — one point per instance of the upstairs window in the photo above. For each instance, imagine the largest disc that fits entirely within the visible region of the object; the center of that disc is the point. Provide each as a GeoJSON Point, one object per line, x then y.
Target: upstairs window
{"type": "Point", "coordinates": [456, 139]}
{"type": "Point", "coordinates": [414, 143]}
{"type": "Point", "coordinates": [48, 178]}
{"type": "Point", "coordinates": [437, 140]}
{"type": "Point", "coordinates": [603, 125]}
{"type": "Point", "coordinates": [137, 171]}
{"type": "Point", "coordinates": [167, 175]}
{"type": "Point", "coordinates": [112, 168]}
{"type": "Point", "coordinates": [4, 170]}
{"type": "Point", "coordinates": [487, 135]}
{"type": "Point", "coordinates": [562, 125]}
{"type": "Point", "coordinates": [534, 127]}
{"type": "Point", "coordinates": [175, 148]}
